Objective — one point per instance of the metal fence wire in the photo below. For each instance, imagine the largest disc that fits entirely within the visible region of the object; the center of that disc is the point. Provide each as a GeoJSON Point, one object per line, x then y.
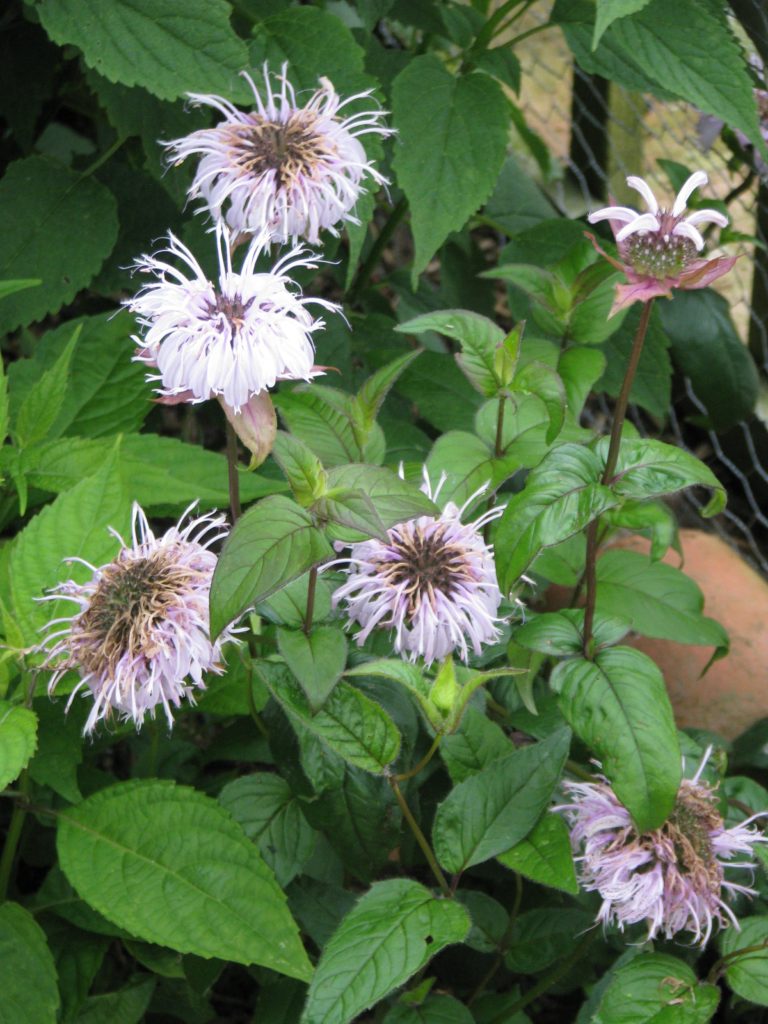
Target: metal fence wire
{"type": "Point", "coordinates": [598, 133]}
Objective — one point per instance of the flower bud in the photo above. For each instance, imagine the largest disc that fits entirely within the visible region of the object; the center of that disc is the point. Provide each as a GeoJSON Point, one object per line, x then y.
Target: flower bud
{"type": "Point", "coordinates": [255, 424]}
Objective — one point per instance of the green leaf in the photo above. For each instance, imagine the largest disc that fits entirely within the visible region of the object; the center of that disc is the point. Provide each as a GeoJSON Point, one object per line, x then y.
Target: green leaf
{"type": "Point", "coordinates": [60, 748]}
{"type": "Point", "coordinates": [473, 746]}
{"type": "Point", "coordinates": [371, 395]}
{"type": "Point", "coordinates": [542, 936]}
{"type": "Point", "coordinates": [545, 855]}
{"type": "Point", "coordinates": [41, 406]}
{"type": "Point", "coordinates": [649, 469]}
{"type": "Point", "coordinates": [107, 392]}
{"type": "Point", "coordinates": [74, 525]}
{"type": "Point", "coordinates": [392, 931]}
{"type": "Point", "coordinates": [11, 287]}
{"type": "Point", "coordinates": [352, 725]}
{"type": "Point", "coordinates": [44, 206]}
{"type": "Point", "coordinates": [271, 816]}
{"type": "Point", "coordinates": [347, 514]}
{"type": "Point", "coordinates": [618, 705]}
{"type": "Point", "coordinates": [27, 971]}
{"type": "Point", "coordinates": [322, 418]}
{"type": "Point", "coordinates": [552, 633]}
{"type": "Point", "coordinates": [170, 52]}
{"type": "Point", "coordinates": [162, 473]}
{"type": "Point", "coordinates": [469, 463]}
{"type": "Point", "coordinates": [658, 599]}
{"type": "Point", "coordinates": [654, 988]}
{"type": "Point", "coordinates": [303, 470]}
{"type": "Point", "coordinates": [317, 660]}
{"type": "Point", "coordinates": [496, 808]}
{"type": "Point", "coordinates": [288, 607]}
{"type": "Point", "coordinates": [479, 338]}
{"type": "Point", "coordinates": [436, 1009]}
{"type": "Point", "coordinates": [18, 740]}
{"type": "Point", "coordinates": [394, 499]}
{"type": "Point", "coordinates": [517, 201]}
{"type": "Point", "coordinates": [440, 391]}
{"type": "Point", "coordinates": [271, 544]}
{"type": "Point", "coordinates": [126, 1006]}
{"type": "Point", "coordinates": [747, 975]}
{"type": "Point", "coordinates": [541, 380]}
{"type": "Point", "coordinates": [170, 866]}
{"type": "Point", "coordinates": [708, 349]}
{"type": "Point", "coordinates": [609, 11]}
{"type": "Point", "coordinates": [652, 386]}
{"type": "Point", "coordinates": [452, 145]}
{"type": "Point", "coordinates": [562, 495]}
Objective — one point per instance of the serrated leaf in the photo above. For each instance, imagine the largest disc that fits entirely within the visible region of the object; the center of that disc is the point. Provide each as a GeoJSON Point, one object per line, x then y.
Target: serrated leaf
{"type": "Point", "coordinates": [618, 705]}
{"type": "Point", "coordinates": [747, 975]}
{"type": "Point", "coordinates": [41, 406]}
{"type": "Point", "coordinates": [18, 740]}
{"type": "Point", "coordinates": [452, 143]}
{"type": "Point", "coordinates": [271, 816]}
{"type": "Point", "coordinates": [654, 988]}
{"type": "Point", "coordinates": [562, 495]}
{"type": "Point", "coordinates": [322, 418]}
{"type": "Point", "coordinates": [609, 11]}
{"type": "Point", "coordinates": [545, 855]}
{"type": "Point", "coordinates": [171, 50]}
{"type": "Point", "coordinates": [170, 865]}
{"type": "Point", "coordinates": [107, 392]}
{"type": "Point", "coordinates": [351, 724]}
{"type": "Point", "coordinates": [649, 469]}
{"type": "Point", "coordinates": [303, 470]}
{"type": "Point", "coordinates": [316, 659]}
{"type": "Point", "coordinates": [27, 971]}
{"type": "Point", "coordinates": [161, 473]}
{"type": "Point", "coordinates": [74, 525]}
{"type": "Point", "coordinates": [496, 808]}
{"type": "Point", "coordinates": [271, 544]}
{"type": "Point", "coordinates": [479, 338]}
{"type": "Point", "coordinates": [44, 206]}
{"type": "Point", "coordinates": [393, 931]}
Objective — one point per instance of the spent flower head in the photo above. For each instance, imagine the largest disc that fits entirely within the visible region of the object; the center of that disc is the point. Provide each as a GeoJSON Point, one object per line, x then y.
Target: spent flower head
{"type": "Point", "coordinates": [288, 169]}
{"type": "Point", "coordinates": [659, 249]}
{"type": "Point", "coordinates": [231, 339]}
{"type": "Point", "coordinates": [433, 582]}
{"type": "Point", "coordinates": [140, 637]}
{"type": "Point", "coordinates": [672, 877]}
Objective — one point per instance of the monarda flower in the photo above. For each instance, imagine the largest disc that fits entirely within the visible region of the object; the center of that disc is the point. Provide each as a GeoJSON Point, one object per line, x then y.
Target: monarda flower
{"type": "Point", "coordinates": [673, 877]}
{"type": "Point", "coordinates": [433, 582]}
{"type": "Point", "coordinates": [659, 249]}
{"type": "Point", "coordinates": [140, 637]}
{"type": "Point", "coordinates": [228, 340]}
{"type": "Point", "coordinates": [288, 169]}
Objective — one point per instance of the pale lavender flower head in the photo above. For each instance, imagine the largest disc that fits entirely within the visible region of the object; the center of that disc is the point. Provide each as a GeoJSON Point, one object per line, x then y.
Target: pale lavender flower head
{"type": "Point", "coordinates": [658, 249]}
{"type": "Point", "coordinates": [140, 637]}
{"type": "Point", "coordinates": [673, 877]}
{"type": "Point", "coordinates": [231, 339]}
{"type": "Point", "coordinates": [433, 582]}
{"type": "Point", "coordinates": [288, 169]}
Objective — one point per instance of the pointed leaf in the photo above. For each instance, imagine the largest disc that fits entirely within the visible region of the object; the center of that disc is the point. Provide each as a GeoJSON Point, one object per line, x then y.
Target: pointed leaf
{"type": "Point", "coordinates": [496, 808]}
{"type": "Point", "coordinates": [302, 468]}
{"type": "Point", "coordinates": [271, 544]}
{"type": "Point", "coordinates": [317, 660]}
{"type": "Point", "coordinates": [479, 337]}
{"type": "Point", "coordinates": [391, 932]}
{"type": "Point", "coordinates": [41, 406]}
{"type": "Point", "coordinates": [30, 993]}
{"type": "Point", "coordinates": [371, 395]}
{"type": "Point", "coordinates": [545, 855]}
{"type": "Point", "coordinates": [618, 705]}
{"type": "Point", "coordinates": [18, 740]}
{"type": "Point", "coordinates": [170, 865]}
{"type": "Point", "coordinates": [542, 380]}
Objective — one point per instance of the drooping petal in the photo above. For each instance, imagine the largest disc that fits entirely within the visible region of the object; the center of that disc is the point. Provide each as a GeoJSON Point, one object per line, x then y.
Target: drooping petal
{"type": "Point", "coordinates": [641, 185]}
{"type": "Point", "coordinates": [696, 180]}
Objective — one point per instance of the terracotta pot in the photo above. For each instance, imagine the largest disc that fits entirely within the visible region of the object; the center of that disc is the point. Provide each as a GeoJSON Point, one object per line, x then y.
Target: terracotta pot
{"type": "Point", "coordinates": [734, 692]}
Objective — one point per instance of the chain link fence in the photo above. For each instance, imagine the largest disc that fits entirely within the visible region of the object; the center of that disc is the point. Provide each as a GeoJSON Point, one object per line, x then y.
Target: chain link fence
{"type": "Point", "coordinates": [599, 133]}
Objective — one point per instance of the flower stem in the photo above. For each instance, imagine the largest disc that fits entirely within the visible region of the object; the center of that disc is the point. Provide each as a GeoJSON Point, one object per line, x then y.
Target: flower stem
{"type": "Point", "coordinates": [311, 588]}
{"type": "Point", "coordinates": [423, 762]}
{"type": "Point", "coordinates": [619, 415]}
{"type": "Point", "coordinates": [369, 264]}
{"type": "Point", "coordinates": [499, 446]}
{"type": "Point", "coordinates": [721, 965]}
{"type": "Point", "coordinates": [426, 849]}
{"type": "Point", "coordinates": [234, 479]}
{"type": "Point", "coordinates": [18, 814]}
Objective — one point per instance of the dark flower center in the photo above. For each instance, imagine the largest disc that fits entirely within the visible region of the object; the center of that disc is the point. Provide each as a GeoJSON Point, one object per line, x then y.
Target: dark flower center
{"type": "Point", "coordinates": [426, 563]}
{"type": "Point", "coordinates": [131, 597]}
{"type": "Point", "coordinates": [231, 307]}
{"type": "Point", "coordinates": [289, 149]}
{"type": "Point", "coordinates": [660, 254]}
{"type": "Point", "coordinates": [689, 827]}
